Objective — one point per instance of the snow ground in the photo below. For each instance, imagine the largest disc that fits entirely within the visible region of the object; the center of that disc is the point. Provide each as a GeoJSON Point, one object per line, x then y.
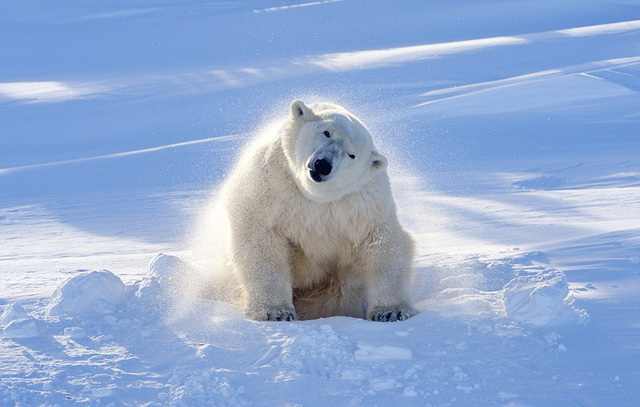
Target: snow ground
{"type": "Point", "coordinates": [512, 129]}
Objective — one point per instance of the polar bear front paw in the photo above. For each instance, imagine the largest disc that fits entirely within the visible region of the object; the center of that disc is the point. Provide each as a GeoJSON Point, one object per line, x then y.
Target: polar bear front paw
{"type": "Point", "coordinates": [391, 314]}
{"type": "Point", "coordinates": [273, 314]}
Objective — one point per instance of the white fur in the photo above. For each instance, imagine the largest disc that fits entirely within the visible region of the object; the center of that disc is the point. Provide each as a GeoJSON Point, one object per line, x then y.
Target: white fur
{"type": "Point", "coordinates": [316, 249]}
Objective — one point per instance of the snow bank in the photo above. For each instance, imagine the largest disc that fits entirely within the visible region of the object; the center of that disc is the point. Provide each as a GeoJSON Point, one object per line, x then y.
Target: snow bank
{"type": "Point", "coordinates": [180, 350]}
{"type": "Point", "coordinates": [102, 292]}
{"type": "Point", "coordinates": [521, 287]}
{"type": "Point", "coordinates": [12, 313]}
{"type": "Point", "coordinates": [17, 323]}
{"type": "Point", "coordinates": [541, 299]}
{"type": "Point", "coordinates": [22, 328]}
{"type": "Point", "coordinates": [163, 273]}
{"type": "Point", "coordinates": [538, 294]}
{"type": "Point", "coordinates": [95, 292]}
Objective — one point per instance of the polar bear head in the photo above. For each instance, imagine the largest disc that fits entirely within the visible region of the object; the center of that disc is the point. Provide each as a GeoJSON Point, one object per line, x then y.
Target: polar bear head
{"type": "Point", "coordinates": [329, 151]}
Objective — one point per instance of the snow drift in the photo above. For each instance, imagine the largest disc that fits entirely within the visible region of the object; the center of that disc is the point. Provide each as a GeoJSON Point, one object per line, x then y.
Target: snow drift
{"type": "Point", "coordinates": [95, 312]}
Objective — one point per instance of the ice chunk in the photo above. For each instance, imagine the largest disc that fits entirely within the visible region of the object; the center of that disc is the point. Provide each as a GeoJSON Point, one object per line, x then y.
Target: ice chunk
{"type": "Point", "coordinates": [14, 311]}
{"type": "Point", "coordinates": [22, 328]}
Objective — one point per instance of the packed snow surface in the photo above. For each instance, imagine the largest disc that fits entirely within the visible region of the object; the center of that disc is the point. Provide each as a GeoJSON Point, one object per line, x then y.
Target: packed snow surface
{"type": "Point", "coordinates": [512, 131]}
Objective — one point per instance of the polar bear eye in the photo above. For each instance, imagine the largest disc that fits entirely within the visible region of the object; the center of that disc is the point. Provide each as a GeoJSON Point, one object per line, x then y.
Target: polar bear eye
{"type": "Point", "coordinates": [327, 134]}
{"type": "Point", "coordinates": [353, 157]}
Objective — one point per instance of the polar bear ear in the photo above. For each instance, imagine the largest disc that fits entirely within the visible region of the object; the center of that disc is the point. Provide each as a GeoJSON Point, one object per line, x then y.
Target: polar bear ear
{"type": "Point", "coordinates": [300, 111]}
{"type": "Point", "coordinates": [378, 162]}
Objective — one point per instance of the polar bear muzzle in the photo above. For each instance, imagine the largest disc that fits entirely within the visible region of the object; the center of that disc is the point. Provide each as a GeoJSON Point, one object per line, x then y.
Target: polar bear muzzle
{"type": "Point", "coordinates": [319, 169]}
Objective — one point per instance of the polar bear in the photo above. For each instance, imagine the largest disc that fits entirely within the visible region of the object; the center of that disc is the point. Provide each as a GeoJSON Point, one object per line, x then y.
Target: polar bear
{"type": "Point", "coordinates": [313, 226]}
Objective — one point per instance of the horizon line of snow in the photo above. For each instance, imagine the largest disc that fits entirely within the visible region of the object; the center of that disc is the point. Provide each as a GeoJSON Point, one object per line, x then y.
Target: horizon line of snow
{"type": "Point", "coordinates": [4, 171]}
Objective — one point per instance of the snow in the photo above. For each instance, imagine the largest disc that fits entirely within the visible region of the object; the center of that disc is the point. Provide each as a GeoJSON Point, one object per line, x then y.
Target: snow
{"type": "Point", "coordinates": [98, 292]}
{"type": "Point", "coordinates": [512, 134]}
{"type": "Point", "coordinates": [367, 352]}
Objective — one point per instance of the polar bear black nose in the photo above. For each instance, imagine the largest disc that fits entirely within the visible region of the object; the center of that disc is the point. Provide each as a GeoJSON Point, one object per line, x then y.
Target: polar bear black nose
{"type": "Point", "coordinates": [323, 167]}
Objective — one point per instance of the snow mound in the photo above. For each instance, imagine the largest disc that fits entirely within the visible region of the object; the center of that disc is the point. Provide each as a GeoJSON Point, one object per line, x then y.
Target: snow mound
{"type": "Point", "coordinates": [170, 285]}
{"type": "Point", "coordinates": [104, 293]}
{"type": "Point", "coordinates": [541, 299]}
{"type": "Point", "coordinates": [97, 292]}
{"type": "Point", "coordinates": [161, 276]}
{"type": "Point", "coordinates": [521, 287]}
{"type": "Point", "coordinates": [17, 323]}
{"type": "Point", "coordinates": [538, 294]}
{"type": "Point", "coordinates": [22, 328]}
{"type": "Point", "coordinates": [14, 311]}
